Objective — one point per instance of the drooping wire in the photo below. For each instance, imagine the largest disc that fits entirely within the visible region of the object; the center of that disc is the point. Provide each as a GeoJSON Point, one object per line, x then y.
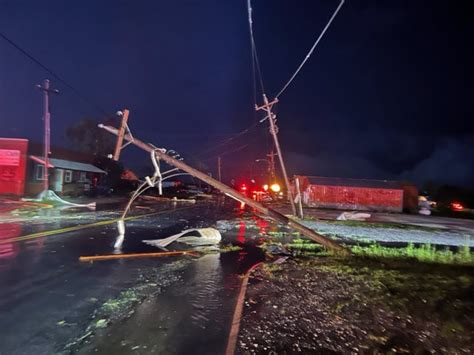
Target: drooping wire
{"type": "Point", "coordinates": [229, 140]}
{"type": "Point", "coordinates": [311, 50]}
{"type": "Point", "coordinates": [254, 78]}
{"type": "Point", "coordinates": [56, 76]}
{"type": "Point", "coordinates": [227, 152]}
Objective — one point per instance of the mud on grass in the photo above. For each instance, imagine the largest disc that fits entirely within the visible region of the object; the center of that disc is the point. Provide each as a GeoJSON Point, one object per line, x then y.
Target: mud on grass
{"type": "Point", "coordinates": [358, 305]}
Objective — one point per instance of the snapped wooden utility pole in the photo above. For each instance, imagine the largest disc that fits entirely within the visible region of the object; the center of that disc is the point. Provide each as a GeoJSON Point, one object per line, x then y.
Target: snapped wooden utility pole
{"type": "Point", "coordinates": [276, 216]}
{"type": "Point", "coordinates": [267, 106]}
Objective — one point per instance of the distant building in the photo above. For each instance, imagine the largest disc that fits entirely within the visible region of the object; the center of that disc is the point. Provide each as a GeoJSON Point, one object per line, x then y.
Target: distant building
{"type": "Point", "coordinates": [357, 194]}
{"type": "Point", "coordinates": [13, 159]}
{"type": "Point", "coordinates": [22, 169]}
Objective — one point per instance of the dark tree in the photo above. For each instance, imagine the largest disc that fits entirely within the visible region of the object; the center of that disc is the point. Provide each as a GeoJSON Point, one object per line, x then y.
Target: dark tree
{"type": "Point", "coordinates": [87, 138]}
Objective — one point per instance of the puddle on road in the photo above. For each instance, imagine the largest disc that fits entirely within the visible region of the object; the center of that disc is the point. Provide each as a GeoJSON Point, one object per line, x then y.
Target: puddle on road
{"type": "Point", "coordinates": [192, 315]}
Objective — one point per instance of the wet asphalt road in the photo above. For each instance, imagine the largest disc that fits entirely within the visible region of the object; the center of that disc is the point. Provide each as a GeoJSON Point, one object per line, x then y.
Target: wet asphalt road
{"type": "Point", "coordinates": [52, 303]}
{"type": "Point", "coordinates": [49, 300]}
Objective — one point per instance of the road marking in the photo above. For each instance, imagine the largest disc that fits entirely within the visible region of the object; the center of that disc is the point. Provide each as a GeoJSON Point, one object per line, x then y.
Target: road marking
{"type": "Point", "coordinates": [84, 226]}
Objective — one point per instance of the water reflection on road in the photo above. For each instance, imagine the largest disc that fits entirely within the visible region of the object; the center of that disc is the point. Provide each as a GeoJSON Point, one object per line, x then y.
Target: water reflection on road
{"type": "Point", "coordinates": [48, 298]}
{"type": "Point", "coordinates": [191, 316]}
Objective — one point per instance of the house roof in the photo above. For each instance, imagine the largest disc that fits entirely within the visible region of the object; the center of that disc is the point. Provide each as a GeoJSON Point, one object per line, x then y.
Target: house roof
{"type": "Point", "coordinates": [68, 164]}
{"type": "Point", "coordinates": [40, 161]}
{"type": "Point", "coordinates": [36, 149]}
{"type": "Point", "coordinates": [377, 184]}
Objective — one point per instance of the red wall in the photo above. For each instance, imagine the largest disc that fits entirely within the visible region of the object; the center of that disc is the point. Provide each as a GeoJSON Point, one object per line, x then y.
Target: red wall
{"type": "Point", "coordinates": [355, 198]}
{"type": "Point", "coordinates": [13, 155]}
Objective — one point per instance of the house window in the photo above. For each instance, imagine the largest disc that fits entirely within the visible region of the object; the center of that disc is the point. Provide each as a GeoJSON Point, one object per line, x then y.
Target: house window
{"type": "Point", "coordinates": [68, 176]}
{"type": "Point", "coordinates": [39, 172]}
{"type": "Point", "coordinates": [82, 176]}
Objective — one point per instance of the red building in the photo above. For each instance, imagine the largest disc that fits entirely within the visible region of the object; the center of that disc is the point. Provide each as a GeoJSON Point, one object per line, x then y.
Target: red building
{"type": "Point", "coordinates": [355, 194]}
{"type": "Point", "coordinates": [22, 169]}
{"type": "Point", "coordinates": [13, 157]}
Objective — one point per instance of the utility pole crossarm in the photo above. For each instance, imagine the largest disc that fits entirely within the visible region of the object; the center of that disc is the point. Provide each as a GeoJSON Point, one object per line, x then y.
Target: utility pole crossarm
{"type": "Point", "coordinates": [266, 105]}
{"type": "Point", "coordinates": [123, 126]}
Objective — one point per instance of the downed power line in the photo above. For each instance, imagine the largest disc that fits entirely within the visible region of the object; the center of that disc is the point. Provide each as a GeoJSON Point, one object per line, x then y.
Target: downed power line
{"type": "Point", "coordinates": [277, 216]}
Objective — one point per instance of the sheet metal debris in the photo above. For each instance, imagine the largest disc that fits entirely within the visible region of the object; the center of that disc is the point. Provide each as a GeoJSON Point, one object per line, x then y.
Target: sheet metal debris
{"type": "Point", "coordinates": [353, 216]}
{"type": "Point", "coordinates": [194, 237]}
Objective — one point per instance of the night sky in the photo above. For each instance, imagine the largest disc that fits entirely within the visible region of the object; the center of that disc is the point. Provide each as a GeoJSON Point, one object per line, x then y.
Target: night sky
{"type": "Point", "coordinates": [387, 94]}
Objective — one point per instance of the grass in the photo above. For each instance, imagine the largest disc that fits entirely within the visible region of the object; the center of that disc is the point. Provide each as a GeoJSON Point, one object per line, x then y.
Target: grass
{"type": "Point", "coordinates": [229, 247]}
{"type": "Point", "coordinates": [425, 253]}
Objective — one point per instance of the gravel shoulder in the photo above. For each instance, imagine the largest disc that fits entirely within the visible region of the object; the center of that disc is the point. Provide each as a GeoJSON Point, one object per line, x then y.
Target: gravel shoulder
{"type": "Point", "coordinates": [358, 305]}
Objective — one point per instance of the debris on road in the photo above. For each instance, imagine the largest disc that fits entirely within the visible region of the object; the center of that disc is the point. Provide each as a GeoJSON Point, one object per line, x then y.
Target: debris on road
{"type": "Point", "coordinates": [136, 255]}
{"type": "Point", "coordinates": [161, 198]}
{"type": "Point", "coordinates": [194, 237]}
{"type": "Point", "coordinates": [353, 216]}
{"type": "Point", "coordinates": [49, 197]}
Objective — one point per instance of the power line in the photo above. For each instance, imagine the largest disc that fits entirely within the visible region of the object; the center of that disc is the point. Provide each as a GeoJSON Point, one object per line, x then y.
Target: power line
{"type": "Point", "coordinates": [311, 50]}
{"type": "Point", "coordinates": [56, 76]}
{"type": "Point", "coordinates": [255, 61]}
{"type": "Point", "coordinates": [228, 140]}
{"type": "Point", "coordinates": [227, 152]}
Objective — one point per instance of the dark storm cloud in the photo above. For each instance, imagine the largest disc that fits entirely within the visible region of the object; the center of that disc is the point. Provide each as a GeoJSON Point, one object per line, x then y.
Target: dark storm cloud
{"type": "Point", "coordinates": [448, 163]}
{"type": "Point", "coordinates": [343, 164]}
{"type": "Point", "coordinates": [387, 94]}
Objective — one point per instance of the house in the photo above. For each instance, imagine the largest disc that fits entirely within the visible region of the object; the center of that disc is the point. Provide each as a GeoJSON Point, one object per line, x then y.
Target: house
{"type": "Point", "coordinates": [22, 169]}
{"type": "Point", "coordinates": [357, 194]}
{"type": "Point", "coordinates": [66, 177]}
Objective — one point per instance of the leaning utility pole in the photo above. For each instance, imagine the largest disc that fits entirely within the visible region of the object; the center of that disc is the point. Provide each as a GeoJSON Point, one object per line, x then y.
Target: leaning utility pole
{"type": "Point", "coordinates": [267, 106]}
{"type": "Point", "coordinates": [47, 130]}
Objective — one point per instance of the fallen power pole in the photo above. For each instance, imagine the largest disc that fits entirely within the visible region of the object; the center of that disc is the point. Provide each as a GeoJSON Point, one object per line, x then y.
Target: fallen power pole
{"type": "Point", "coordinates": [278, 217]}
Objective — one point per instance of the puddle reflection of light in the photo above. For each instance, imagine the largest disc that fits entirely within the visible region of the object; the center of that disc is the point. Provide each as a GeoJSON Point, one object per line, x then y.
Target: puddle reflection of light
{"type": "Point", "coordinates": [262, 225]}
{"type": "Point", "coordinates": [241, 233]}
{"type": "Point", "coordinates": [8, 231]}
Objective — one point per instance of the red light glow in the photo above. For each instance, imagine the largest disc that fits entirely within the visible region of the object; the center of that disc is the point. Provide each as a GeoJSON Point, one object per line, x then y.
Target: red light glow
{"type": "Point", "coordinates": [457, 206]}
